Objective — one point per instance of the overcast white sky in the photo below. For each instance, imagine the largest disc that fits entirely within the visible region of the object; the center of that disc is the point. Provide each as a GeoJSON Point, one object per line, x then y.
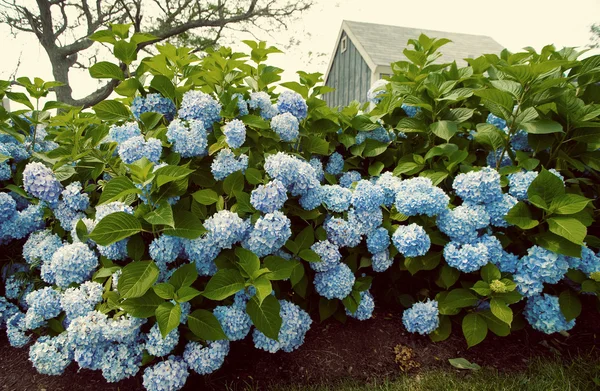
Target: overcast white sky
{"type": "Point", "coordinates": [513, 23]}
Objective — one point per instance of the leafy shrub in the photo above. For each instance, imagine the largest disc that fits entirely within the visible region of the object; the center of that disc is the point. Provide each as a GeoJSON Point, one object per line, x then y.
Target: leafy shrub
{"type": "Point", "coordinates": [204, 205]}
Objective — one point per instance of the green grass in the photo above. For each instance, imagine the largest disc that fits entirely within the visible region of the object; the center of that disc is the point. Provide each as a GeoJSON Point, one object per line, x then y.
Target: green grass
{"type": "Point", "coordinates": [542, 375]}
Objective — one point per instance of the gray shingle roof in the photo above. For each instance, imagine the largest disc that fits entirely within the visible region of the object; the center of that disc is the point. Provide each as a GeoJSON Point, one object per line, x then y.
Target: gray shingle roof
{"type": "Point", "coordinates": [384, 44]}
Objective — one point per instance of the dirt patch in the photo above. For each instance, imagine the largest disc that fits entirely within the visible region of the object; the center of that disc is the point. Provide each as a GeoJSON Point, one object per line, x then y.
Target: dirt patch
{"type": "Point", "coordinates": [332, 352]}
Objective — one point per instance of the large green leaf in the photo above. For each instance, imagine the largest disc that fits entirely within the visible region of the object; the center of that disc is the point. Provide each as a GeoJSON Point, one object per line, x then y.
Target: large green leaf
{"type": "Point", "coordinates": [474, 328]}
{"type": "Point", "coordinates": [114, 227]}
{"type": "Point", "coordinates": [163, 215]}
{"type": "Point", "coordinates": [521, 216]}
{"type": "Point", "coordinates": [444, 129]}
{"type": "Point", "coordinates": [205, 325]}
{"type": "Point", "coordinates": [545, 187]}
{"type": "Point", "coordinates": [568, 204]}
{"type": "Point", "coordinates": [111, 110]}
{"type": "Point", "coordinates": [184, 276]}
{"type": "Point", "coordinates": [223, 284]}
{"type": "Point", "coordinates": [137, 278]}
{"type": "Point", "coordinates": [142, 307]}
{"type": "Point", "coordinates": [168, 316]}
{"type": "Point", "coordinates": [206, 196]}
{"type": "Point", "coordinates": [542, 126]}
{"type": "Point", "coordinates": [501, 311]}
{"type": "Point", "coordinates": [568, 227]}
{"type": "Point", "coordinates": [247, 260]}
{"type": "Point", "coordinates": [117, 188]}
{"type": "Point", "coordinates": [265, 317]}
{"type": "Point", "coordinates": [187, 226]}
{"type": "Point", "coordinates": [494, 324]}
{"type": "Point", "coordinates": [570, 305]}
{"type": "Point", "coordinates": [460, 298]}
{"type": "Point", "coordinates": [106, 70]}
{"type": "Point", "coordinates": [168, 174]}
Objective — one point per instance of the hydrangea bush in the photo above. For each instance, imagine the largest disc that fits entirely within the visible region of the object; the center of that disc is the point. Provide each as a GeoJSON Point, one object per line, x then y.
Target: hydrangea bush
{"type": "Point", "coordinates": [210, 203]}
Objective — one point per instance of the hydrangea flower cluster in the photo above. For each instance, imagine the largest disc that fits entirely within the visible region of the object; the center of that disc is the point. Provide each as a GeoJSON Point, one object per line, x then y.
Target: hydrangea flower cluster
{"type": "Point", "coordinates": [72, 263]}
{"type": "Point", "coordinates": [377, 89]}
{"type": "Point", "coordinates": [168, 375]}
{"type": "Point", "coordinates": [478, 187]}
{"type": "Point", "coordinates": [226, 163]}
{"type": "Point", "coordinates": [390, 185]}
{"type": "Point", "coordinates": [417, 196]}
{"type": "Point", "coordinates": [335, 164]}
{"type": "Point", "coordinates": [422, 318]}
{"type": "Point", "coordinates": [234, 320]}
{"type": "Point", "coordinates": [40, 182]}
{"type": "Point", "coordinates": [226, 228]}
{"type": "Point", "coordinates": [22, 223]}
{"type": "Point", "coordinates": [380, 134]}
{"type": "Point", "coordinates": [202, 251]}
{"type": "Point", "coordinates": [262, 101]}
{"type": "Point", "coordinates": [270, 197]}
{"type": "Point", "coordinates": [365, 307]}
{"type": "Point", "coordinates": [411, 240]}
{"type": "Point", "coordinates": [269, 234]}
{"type": "Point", "coordinates": [295, 324]}
{"type": "Point", "coordinates": [158, 346]}
{"type": "Point", "coordinates": [153, 103]}
{"type": "Point", "coordinates": [235, 133]}
{"type": "Point", "coordinates": [70, 208]}
{"type": "Point", "coordinates": [293, 103]}
{"type": "Point", "coordinates": [50, 356]}
{"type": "Point", "coordinates": [543, 313]}
{"type": "Point", "coordinates": [378, 240]}
{"type": "Point", "coordinates": [335, 283]}
{"type": "Point", "coordinates": [539, 266]}
{"type": "Point", "coordinates": [336, 198]}
{"type": "Point", "coordinates": [15, 330]}
{"type": "Point", "coordinates": [200, 106]}
{"type": "Point", "coordinates": [189, 138]}
{"type": "Point", "coordinates": [462, 223]}
{"type": "Point", "coordinates": [286, 126]}
{"type": "Point", "coordinates": [348, 178]}
{"type": "Point", "coordinates": [242, 105]}
{"type": "Point", "coordinates": [341, 232]}
{"type": "Point", "coordinates": [205, 359]}
{"type": "Point", "coordinates": [43, 304]}
{"type": "Point", "coordinates": [296, 175]}
{"type": "Point", "coordinates": [137, 147]}
{"type": "Point", "coordinates": [40, 246]}
{"type": "Point", "coordinates": [367, 196]}
{"type": "Point", "coordinates": [519, 182]}
{"type": "Point", "coordinates": [121, 133]}
{"type": "Point", "coordinates": [381, 261]}
{"type": "Point", "coordinates": [329, 254]}
{"type": "Point", "coordinates": [79, 301]}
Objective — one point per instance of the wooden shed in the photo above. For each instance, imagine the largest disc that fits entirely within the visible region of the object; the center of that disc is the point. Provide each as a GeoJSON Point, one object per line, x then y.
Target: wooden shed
{"type": "Point", "coordinates": [364, 52]}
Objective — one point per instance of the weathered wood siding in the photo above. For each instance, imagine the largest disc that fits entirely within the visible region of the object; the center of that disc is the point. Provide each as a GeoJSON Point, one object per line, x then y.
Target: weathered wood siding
{"type": "Point", "coordinates": [349, 75]}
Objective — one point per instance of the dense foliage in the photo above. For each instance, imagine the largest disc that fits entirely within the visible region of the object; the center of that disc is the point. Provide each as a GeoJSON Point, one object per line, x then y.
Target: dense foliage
{"type": "Point", "coordinates": [209, 203]}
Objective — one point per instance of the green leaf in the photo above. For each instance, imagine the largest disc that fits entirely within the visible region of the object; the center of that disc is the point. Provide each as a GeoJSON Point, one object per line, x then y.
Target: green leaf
{"type": "Point", "coordinates": [128, 87]}
{"type": "Point", "coordinates": [206, 196]}
{"type": "Point", "coordinates": [248, 261]}
{"type": "Point", "coordinates": [205, 325]}
{"type": "Point", "coordinates": [570, 305]}
{"type": "Point", "coordinates": [106, 70]}
{"type": "Point", "coordinates": [316, 145]}
{"type": "Point", "coordinates": [309, 255]}
{"type": "Point", "coordinates": [568, 204]}
{"type": "Point", "coordinates": [163, 215]}
{"type": "Point", "coordinates": [234, 182]}
{"type": "Point", "coordinates": [482, 288]}
{"type": "Point", "coordinates": [265, 316]}
{"type": "Point", "coordinates": [521, 216]}
{"type": "Point", "coordinates": [558, 244]}
{"type": "Point", "coordinates": [117, 188]}
{"type": "Point", "coordinates": [327, 308]}
{"type": "Point", "coordinates": [184, 276]}
{"type": "Point", "coordinates": [494, 324]}
{"type": "Point", "coordinates": [263, 288]}
{"type": "Point", "coordinates": [255, 121]}
{"type": "Point", "coordinates": [142, 307]}
{"type": "Point", "coordinates": [364, 123]}
{"type": "Point", "coordinates": [444, 129]}
{"type": "Point", "coordinates": [137, 278]}
{"type": "Point", "coordinates": [187, 226]}
{"type": "Point", "coordinates": [501, 311]}
{"type": "Point", "coordinates": [171, 173]}
{"type": "Point", "coordinates": [21, 98]}
{"type": "Point", "coordinates": [374, 148]}
{"type": "Point", "coordinates": [114, 227]}
{"type": "Point", "coordinates": [376, 168]}
{"type": "Point", "coordinates": [253, 176]}
{"type": "Point", "coordinates": [474, 328]}
{"type": "Point", "coordinates": [490, 272]}
{"type": "Point", "coordinates": [168, 316]}
{"type": "Point", "coordinates": [542, 126]}
{"type": "Point", "coordinates": [463, 363]}
{"type": "Point", "coordinates": [243, 202]}
{"type": "Point", "coordinates": [546, 186]}
{"type": "Point", "coordinates": [163, 85]}
{"type": "Point", "coordinates": [443, 331]}
{"type": "Point", "coordinates": [490, 135]}
{"type": "Point", "coordinates": [305, 238]}
{"type": "Point", "coordinates": [428, 261]}
{"type": "Point", "coordinates": [125, 51]}
{"type": "Point", "coordinates": [448, 276]}
{"type": "Point", "coordinates": [136, 247]}
{"type": "Point", "coordinates": [111, 110]}
{"type": "Point", "coordinates": [164, 290]}
{"type": "Point", "coordinates": [186, 293]}
{"type": "Point", "coordinates": [568, 227]}
{"type": "Point", "coordinates": [460, 298]}
{"type": "Point", "coordinates": [223, 284]}
{"type": "Point", "coordinates": [279, 268]}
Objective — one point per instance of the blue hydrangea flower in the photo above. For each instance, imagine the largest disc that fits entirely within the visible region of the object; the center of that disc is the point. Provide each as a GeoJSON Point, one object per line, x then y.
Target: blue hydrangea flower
{"type": "Point", "coordinates": [286, 126]}
{"type": "Point", "coordinates": [410, 111]}
{"type": "Point", "coordinates": [188, 139]}
{"type": "Point", "coordinates": [15, 331]}
{"type": "Point", "coordinates": [311, 199]}
{"type": "Point", "coordinates": [227, 228]}
{"type": "Point", "coordinates": [73, 197]}
{"type": "Point", "coordinates": [297, 175]}
{"type": "Point", "coordinates": [242, 105]}
{"type": "Point", "coordinates": [519, 141]}
{"type": "Point", "coordinates": [497, 210]}
{"type": "Point", "coordinates": [466, 257]}
{"type": "Point", "coordinates": [367, 196]}
{"type": "Point", "coordinates": [22, 224]}
{"type": "Point", "coordinates": [270, 197]}
{"type": "Point", "coordinates": [461, 223]}
{"type": "Point", "coordinates": [589, 262]}
{"type": "Point", "coordinates": [5, 171]}
{"type": "Point", "coordinates": [380, 134]}
{"type": "Point", "coordinates": [365, 307]}
{"type": "Point", "coordinates": [378, 240]}
{"type": "Point", "coordinates": [335, 283]}
{"type": "Point", "coordinates": [539, 266]}
{"type": "Point", "coordinates": [165, 249]}
{"type": "Point", "coordinates": [122, 133]}
{"type": "Point", "coordinates": [40, 246]}
{"type": "Point", "coordinates": [295, 324]}
{"type": "Point", "coordinates": [507, 263]}
{"type": "Point", "coordinates": [202, 251]}
{"type": "Point", "coordinates": [336, 198]}
{"type": "Point", "coordinates": [543, 313]}
{"type": "Point", "coordinates": [519, 183]}
{"type": "Point", "coordinates": [390, 185]}
{"type": "Point", "coordinates": [234, 320]}
{"type": "Point", "coordinates": [411, 240]}
{"type": "Point", "coordinates": [293, 103]}
{"type": "Point", "coordinates": [316, 164]}
{"type": "Point", "coordinates": [67, 217]}
{"type": "Point", "coordinates": [16, 288]}
{"type": "Point", "coordinates": [43, 304]}
{"type": "Point", "coordinates": [341, 233]}
{"type": "Point", "coordinates": [78, 302]}
{"type": "Point", "coordinates": [40, 182]}
{"type": "Point", "coordinates": [422, 318]}
{"type": "Point", "coordinates": [8, 207]}
{"type": "Point", "coordinates": [494, 156]}
{"type": "Point", "coordinates": [377, 89]}
{"type": "Point", "coordinates": [72, 263]}
{"type": "Point", "coordinates": [335, 164]}
{"type": "Point", "coordinates": [262, 101]}
{"type": "Point", "coordinates": [269, 234]}
{"type": "Point", "coordinates": [50, 356]}
{"type": "Point", "coordinates": [158, 346]}
{"type": "Point", "coordinates": [235, 133]}
{"type": "Point", "coordinates": [200, 106]}
{"type": "Point", "coordinates": [417, 196]}
{"type": "Point", "coordinates": [364, 221]}
{"type": "Point", "coordinates": [153, 103]}
{"type": "Point", "coordinates": [168, 375]}
{"type": "Point", "coordinates": [226, 163]}
{"type": "Point", "coordinates": [381, 261]}
{"type": "Point", "coordinates": [137, 147]}
{"type": "Point", "coordinates": [348, 178]}
{"type": "Point", "coordinates": [480, 187]}
{"type": "Point", "coordinates": [329, 253]}
{"type": "Point", "coordinates": [496, 121]}
{"type": "Point", "coordinates": [7, 310]}
{"type": "Point", "coordinates": [120, 361]}
{"type": "Point", "coordinates": [205, 359]}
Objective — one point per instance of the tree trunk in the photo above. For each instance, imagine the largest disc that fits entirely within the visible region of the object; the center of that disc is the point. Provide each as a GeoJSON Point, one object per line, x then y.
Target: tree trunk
{"type": "Point", "coordinates": [60, 70]}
